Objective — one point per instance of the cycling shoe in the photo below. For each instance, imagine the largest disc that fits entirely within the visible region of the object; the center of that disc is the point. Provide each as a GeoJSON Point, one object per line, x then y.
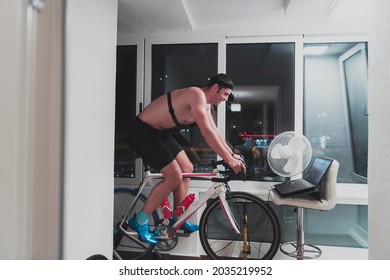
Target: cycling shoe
{"type": "Point", "coordinates": [187, 227]}
{"type": "Point", "coordinates": [143, 231]}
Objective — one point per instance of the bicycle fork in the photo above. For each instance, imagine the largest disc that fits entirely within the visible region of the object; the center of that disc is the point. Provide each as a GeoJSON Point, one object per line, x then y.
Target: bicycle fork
{"type": "Point", "coordinates": [227, 211]}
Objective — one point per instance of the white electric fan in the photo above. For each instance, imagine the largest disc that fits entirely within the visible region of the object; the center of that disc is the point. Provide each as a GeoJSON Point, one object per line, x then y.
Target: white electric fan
{"type": "Point", "coordinates": [289, 154]}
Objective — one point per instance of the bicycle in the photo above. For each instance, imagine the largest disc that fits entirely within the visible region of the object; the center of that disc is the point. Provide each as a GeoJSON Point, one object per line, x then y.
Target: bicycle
{"type": "Point", "coordinates": [252, 231]}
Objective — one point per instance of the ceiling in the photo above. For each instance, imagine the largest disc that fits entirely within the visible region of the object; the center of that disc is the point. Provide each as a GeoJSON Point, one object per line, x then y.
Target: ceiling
{"type": "Point", "coordinates": [186, 16]}
{"type": "Point", "coordinates": [143, 17]}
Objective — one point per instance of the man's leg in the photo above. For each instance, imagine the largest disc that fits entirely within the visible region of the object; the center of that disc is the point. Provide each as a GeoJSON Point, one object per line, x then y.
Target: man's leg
{"type": "Point", "coordinates": [172, 179]}
{"type": "Point", "coordinates": [186, 167]}
{"type": "Point", "coordinates": [181, 191]}
{"type": "Point", "coordinates": [140, 223]}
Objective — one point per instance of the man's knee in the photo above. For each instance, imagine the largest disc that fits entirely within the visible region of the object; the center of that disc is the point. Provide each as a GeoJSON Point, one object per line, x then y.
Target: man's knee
{"type": "Point", "coordinates": [187, 168]}
{"type": "Point", "coordinates": [174, 179]}
{"type": "Point", "coordinates": [184, 162]}
{"type": "Point", "coordinates": [173, 175]}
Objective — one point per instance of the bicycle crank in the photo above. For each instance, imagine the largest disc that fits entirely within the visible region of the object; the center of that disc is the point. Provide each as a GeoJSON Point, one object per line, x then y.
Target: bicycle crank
{"type": "Point", "coordinates": [166, 236]}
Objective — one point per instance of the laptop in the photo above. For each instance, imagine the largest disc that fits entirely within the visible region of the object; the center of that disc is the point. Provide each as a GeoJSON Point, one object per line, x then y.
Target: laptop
{"type": "Point", "coordinates": [309, 182]}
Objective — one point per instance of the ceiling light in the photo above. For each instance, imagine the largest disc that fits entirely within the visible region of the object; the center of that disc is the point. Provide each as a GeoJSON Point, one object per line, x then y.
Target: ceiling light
{"type": "Point", "coordinates": [315, 49]}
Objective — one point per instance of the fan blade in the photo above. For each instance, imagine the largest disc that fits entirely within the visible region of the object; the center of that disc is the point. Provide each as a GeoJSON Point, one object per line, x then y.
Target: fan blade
{"type": "Point", "coordinates": [298, 155]}
{"type": "Point", "coordinates": [291, 165]}
{"type": "Point", "coordinates": [286, 152]}
{"type": "Point", "coordinates": [297, 144]}
{"type": "Point", "coordinates": [275, 151]}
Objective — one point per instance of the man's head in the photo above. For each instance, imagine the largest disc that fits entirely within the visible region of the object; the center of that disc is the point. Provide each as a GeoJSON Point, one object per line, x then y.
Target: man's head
{"type": "Point", "coordinates": [222, 80]}
{"type": "Point", "coordinates": [222, 85]}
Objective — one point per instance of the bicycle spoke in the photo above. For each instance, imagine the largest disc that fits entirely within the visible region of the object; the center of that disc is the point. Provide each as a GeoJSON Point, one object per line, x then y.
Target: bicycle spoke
{"type": "Point", "coordinates": [224, 248]}
{"type": "Point", "coordinates": [260, 231]}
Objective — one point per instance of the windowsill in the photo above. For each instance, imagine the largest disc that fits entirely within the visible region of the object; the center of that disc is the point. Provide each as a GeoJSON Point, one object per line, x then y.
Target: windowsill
{"type": "Point", "coordinates": [355, 194]}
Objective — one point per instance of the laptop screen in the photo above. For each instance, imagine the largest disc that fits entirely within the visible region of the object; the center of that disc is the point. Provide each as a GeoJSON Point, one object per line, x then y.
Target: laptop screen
{"type": "Point", "coordinates": [317, 170]}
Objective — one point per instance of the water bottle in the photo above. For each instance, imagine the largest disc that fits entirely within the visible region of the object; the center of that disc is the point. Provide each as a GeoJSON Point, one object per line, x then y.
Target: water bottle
{"type": "Point", "coordinates": [166, 209]}
{"type": "Point", "coordinates": [184, 204]}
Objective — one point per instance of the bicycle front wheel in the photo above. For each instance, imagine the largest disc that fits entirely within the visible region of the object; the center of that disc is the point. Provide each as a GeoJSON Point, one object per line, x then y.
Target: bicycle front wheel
{"type": "Point", "coordinates": [259, 236]}
{"type": "Point", "coordinates": [130, 247]}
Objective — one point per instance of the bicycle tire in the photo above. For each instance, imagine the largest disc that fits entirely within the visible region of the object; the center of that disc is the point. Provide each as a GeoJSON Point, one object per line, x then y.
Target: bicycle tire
{"type": "Point", "coordinates": [125, 247]}
{"type": "Point", "coordinates": [220, 241]}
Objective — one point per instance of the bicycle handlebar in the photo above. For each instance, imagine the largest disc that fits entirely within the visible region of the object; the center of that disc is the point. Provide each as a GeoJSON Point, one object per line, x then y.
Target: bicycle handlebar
{"type": "Point", "coordinates": [228, 171]}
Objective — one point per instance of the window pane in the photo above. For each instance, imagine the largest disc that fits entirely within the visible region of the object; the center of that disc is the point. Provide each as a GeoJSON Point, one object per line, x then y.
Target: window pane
{"type": "Point", "coordinates": [182, 65]}
{"type": "Point", "coordinates": [263, 104]}
{"type": "Point", "coordinates": [345, 225]}
{"type": "Point", "coordinates": [335, 111]}
{"type": "Point", "coordinates": [126, 76]}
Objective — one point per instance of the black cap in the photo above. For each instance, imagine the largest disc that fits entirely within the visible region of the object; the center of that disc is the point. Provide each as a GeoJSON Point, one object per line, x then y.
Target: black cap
{"type": "Point", "coordinates": [222, 80]}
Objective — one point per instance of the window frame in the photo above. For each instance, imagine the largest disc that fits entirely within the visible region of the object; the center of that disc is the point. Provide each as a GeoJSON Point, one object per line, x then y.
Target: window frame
{"type": "Point", "coordinates": [218, 39]}
{"type": "Point", "coordinates": [263, 186]}
{"type": "Point", "coordinates": [163, 40]}
{"type": "Point", "coordinates": [348, 193]}
{"type": "Point", "coordinates": [360, 47]}
{"type": "Point", "coordinates": [139, 42]}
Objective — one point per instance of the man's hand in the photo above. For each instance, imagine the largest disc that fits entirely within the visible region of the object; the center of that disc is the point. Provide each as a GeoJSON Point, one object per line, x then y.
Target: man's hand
{"type": "Point", "coordinates": [239, 157]}
{"type": "Point", "coordinates": [237, 165]}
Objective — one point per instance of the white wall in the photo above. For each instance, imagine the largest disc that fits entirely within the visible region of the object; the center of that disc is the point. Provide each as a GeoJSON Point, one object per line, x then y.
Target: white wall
{"type": "Point", "coordinates": [13, 130]}
{"type": "Point", "coordinates": [89, 127]}
{"type": "Point", "coordinates": [30, 128]}
{"type": "Point", "coordinates": [379, 132]}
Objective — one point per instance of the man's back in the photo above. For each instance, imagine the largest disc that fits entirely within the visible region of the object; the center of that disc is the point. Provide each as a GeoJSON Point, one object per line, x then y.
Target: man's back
{"type": "Point", "coordinates": [157, 113]}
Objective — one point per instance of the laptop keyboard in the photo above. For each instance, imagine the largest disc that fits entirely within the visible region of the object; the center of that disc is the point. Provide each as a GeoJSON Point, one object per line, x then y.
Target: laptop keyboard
{"type": "Point", "coordinates": [297, 185]}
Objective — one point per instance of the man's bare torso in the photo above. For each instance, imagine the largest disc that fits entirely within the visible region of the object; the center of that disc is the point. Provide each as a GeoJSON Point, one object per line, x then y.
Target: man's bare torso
{"type": "Point", "coordinates": [157, 113]}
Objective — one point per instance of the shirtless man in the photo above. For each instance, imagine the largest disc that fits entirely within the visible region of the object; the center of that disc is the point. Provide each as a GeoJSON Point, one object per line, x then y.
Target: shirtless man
{"type": "Point", "coordinates": [158, 149]}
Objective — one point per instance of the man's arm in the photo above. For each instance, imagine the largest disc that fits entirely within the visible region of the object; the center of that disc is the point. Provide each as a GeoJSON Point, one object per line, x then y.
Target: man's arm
{"type": "Point", "coordinates": [216, 131]}
{"type": "Point", "coordinates": [223, 140]}
{"type": "Point", "coordinates": [211, 136]}
{"type": "Point", "coordinates": [209, 132]}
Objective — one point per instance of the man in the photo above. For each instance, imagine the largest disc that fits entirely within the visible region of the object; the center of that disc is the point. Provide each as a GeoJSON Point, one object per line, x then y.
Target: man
{"type": "Point", "coordinates": [158, 149]}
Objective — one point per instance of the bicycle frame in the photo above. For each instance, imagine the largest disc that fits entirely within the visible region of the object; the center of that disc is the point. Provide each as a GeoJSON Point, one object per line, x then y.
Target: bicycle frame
{"type": "Point", "coordinates": [255, 241]}
{"type": "Point", "coordinates": [217, 189]}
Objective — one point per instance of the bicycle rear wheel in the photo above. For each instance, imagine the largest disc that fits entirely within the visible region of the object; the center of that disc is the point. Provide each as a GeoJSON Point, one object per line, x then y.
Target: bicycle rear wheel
{"type": "Point", "coordinates": [258, 224]}
{"type": "Point", "coordinates": [130, 247]}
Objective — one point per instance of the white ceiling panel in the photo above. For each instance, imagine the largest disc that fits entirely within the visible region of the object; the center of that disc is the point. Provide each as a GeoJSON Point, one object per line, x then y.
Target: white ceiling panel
{"type": "Point", "coordinates": [152, 16]}
{"type": "Point", "coordinates": [175, 16]}
{"type": "Point", "coordinates": [208, 14]}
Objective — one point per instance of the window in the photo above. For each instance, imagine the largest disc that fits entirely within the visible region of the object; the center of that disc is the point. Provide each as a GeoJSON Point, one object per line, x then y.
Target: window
{"type": "Point", "coordinates": [335, 117]}
{"type": "Point", "coordinates": [335, 110]}
{"type": "Point", "coordinates": [182, 65]}
{"type": "Point", "coordinates": [336, 123]}
{"type": "Point", "coordinates": [125, 109]}
{"type": "Point", "coordinates": [263, 106]}
{"type": "Point", "coordinates": [344, 225]}
{"type": "Point", "coordinates": [323, 96]}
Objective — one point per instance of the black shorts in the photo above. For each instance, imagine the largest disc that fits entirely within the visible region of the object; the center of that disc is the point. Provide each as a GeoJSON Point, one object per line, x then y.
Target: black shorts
{"type": "Point", "coordinates": [156, 147]}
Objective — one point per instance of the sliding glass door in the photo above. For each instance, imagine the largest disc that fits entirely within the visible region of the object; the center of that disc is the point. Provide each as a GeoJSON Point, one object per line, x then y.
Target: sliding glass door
{"type": "Point", "coordinates": [174, 66]}
{"type": "Point", "coordinates": [264, 100]}
{"type": "Point", "coordinates": [335, 111]}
